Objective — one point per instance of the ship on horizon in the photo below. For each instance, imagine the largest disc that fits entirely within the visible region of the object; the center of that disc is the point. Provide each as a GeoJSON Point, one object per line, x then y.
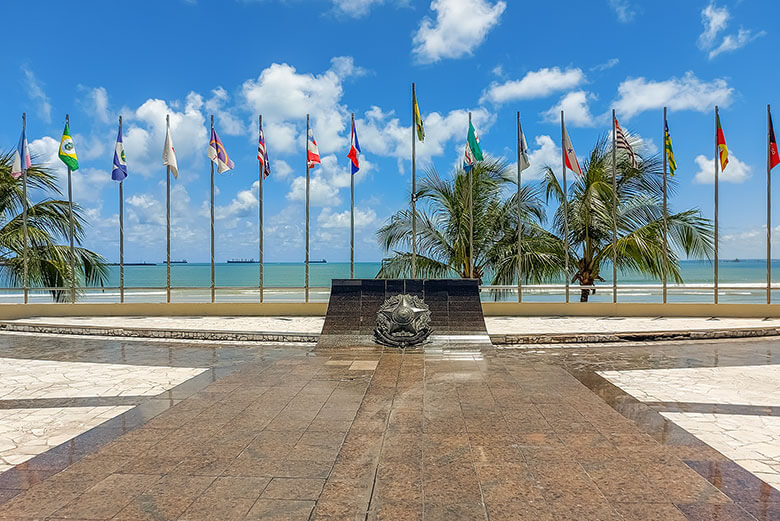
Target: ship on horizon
{"type": "Point", "coordinates": [242, 261]}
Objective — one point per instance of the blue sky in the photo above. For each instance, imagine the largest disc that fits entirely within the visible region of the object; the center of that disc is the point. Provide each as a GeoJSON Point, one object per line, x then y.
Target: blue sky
{"type": "Point", "coordinates": [236, 59]}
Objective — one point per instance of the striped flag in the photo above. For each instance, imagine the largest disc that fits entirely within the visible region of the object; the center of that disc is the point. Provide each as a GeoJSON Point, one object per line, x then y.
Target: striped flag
{"type": "Point", "coordinates": [621, 143]}
{"type": "Point", "coordinates": [669, 151]}
{"type": "Point", "coordinates": [312, 151]}
{"type": "Point", "coordinates": [262, 155]}
{"type": "Point", "coordinates": [22, 160]}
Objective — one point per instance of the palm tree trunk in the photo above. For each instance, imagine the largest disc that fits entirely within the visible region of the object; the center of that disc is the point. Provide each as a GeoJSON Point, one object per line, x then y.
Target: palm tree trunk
{"type": "Point", "coordinates": [584, 293]}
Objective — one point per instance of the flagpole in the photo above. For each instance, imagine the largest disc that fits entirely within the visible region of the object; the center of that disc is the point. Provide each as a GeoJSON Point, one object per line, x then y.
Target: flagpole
{"type": "Point", "coordinates": [414, 187]}
{"type": "Point", "coordinates": [471, 214]}
{"type": "Point", "coordinates": [167, 221]}
{"type": "Point", "coordinates": [519, 214]}
{"type": "Point", "coordinates": [715, 274]}
{"type": "Point", "coordinates": [70, 219]}
{"type": "Point", "coordinates": [614, 209]}
{"type": "Point", "coordinates": [213, 288]}
{"type": "Point", "coordinates": [352, 215]}
{"type": "Point", "coordinates": [261, 175]}
{"type": "Point", "coordinates": [666, 229]}
{"type": "Point", "coordinates": [565, 213]}
{"type": "Point", "coordinates": [26, 260]}
{"type": "Point", "coordinates": [121, 235]}
{"type": "Point", "coordinates": [768, 209]}
{"type": "Point", "coordinates": [306, 283]}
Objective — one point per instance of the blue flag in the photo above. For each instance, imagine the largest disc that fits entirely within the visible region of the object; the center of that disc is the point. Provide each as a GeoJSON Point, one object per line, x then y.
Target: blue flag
{"type": "Point", "coordinates": [119, 172]}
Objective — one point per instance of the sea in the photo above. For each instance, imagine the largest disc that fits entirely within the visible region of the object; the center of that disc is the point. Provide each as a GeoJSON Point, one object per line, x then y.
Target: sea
{"type": "Point", "coordinates": [740, 281]}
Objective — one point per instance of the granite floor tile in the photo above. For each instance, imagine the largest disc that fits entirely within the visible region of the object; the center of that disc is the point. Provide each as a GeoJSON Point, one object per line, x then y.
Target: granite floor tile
{"type": "Point", "coordinates": [280, 510]}
{"type": "Point", "coordinates": [167, 499]}
{"type": "Point", "coordinates": [718, 512]}
{"type": "Point", "coordinates": [211, 507]}
{"type": "Point", "coordinates": [108, 497]}
{"type": "Point", "coordinates": [637, 511]}
{"type": "Point", "coordinates": [293, 488]}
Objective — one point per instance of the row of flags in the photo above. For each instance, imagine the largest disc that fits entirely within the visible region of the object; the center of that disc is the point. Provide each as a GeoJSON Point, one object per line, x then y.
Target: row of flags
{"type": "Point", "coordinates": [472, 152]}
{"type": "Point", "coordinates": [216, 153]}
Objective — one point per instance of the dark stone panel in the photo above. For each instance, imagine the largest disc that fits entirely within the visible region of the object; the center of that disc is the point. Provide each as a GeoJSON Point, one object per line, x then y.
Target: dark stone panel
{"type": "Point", "coordinates": [454, 304]}
{"type": "Point", "coordinates": [395, 286]}
{"type": "Point", "coordinates": [414, 287]}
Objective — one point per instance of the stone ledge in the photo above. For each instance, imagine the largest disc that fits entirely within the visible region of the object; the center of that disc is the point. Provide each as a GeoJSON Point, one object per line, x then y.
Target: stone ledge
{"type": "Point", "coordinates": [644, 336]}
{"type": "Point", "coordinates": [291, 337]}
{"type": "Point", "coordinates": [185, 334]}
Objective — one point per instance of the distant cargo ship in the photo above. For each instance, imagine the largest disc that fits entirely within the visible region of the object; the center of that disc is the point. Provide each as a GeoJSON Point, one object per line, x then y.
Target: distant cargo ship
{"type": "Point", "coordinates": [242, 261]}
{"type": "Point", "coordinates": [322, 261]}
{"type": "Point", "coordinates": [183, 261]}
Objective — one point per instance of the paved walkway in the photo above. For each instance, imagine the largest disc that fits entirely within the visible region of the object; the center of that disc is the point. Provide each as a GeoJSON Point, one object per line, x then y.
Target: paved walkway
{"type": "Point", "coordinates": [495, 325]}
{"type": "Point", "coordinates": [286, 433]}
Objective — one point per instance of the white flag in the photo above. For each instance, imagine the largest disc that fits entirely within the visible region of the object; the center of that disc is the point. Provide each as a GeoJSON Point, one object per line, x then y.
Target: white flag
{"type": "Point", "coordinates": [571, 158]}
{"type": "Point", "coordinates": [169, 154]}
{"type": "Point", "coordinates": [523, 161]}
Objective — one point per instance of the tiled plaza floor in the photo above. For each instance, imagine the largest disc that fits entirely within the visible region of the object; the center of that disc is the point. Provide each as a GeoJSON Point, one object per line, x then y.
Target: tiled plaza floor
{"type": "Point", "coordinates": [286, 433]}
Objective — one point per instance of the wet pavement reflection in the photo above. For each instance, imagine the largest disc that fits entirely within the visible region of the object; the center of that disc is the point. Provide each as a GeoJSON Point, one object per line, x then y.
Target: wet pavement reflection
{"type": "Point", "coordinates": [278, 432]}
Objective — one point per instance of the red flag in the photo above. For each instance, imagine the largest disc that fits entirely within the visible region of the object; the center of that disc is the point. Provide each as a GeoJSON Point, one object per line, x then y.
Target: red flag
{"type": "Point", "coordinates": [774, 159]}
{"type": "Point", "coordinates": [571, 157]}
{"type": "Point", "coordinates": [312, 151]}
{"type": "Point", "coordinates": [723, 151]}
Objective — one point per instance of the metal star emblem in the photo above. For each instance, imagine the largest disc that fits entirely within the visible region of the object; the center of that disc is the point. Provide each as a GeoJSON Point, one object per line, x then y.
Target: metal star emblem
{"type": "Point", "coordinates": [402, 316]}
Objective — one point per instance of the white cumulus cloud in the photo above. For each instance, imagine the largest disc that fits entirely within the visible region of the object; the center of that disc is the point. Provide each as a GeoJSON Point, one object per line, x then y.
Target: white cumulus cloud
{"type": "Point", "coordinates": [535, 84]}
{"type": "Point", "coordinates": [144, 134]}
{"type": "Point", "coordinates": [284, 97]}
{"type": "Point", "coordinates": [458, 28]}
{"type": "Point", "coordinates": [736, 171]}
{"type": "Point", "coordinates": [576, 110]}
{"type": "Point", "coordinates": [732, 42]}
{"type": "Point", "coordinates": [330, 219]}
{"type": "Point", "coordinates": [547, 154]}
{"type": "Point", "coordinates": [636, 95]}
{"type": "Point", "coordinates": [715, 20]}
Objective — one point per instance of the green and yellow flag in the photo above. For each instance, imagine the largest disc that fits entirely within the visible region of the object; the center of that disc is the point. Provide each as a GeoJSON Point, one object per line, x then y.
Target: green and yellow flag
{"type": "Point", "coordinates": [67, 150]}
{"type": "Point", "coordinates": [418, 122]}
{"type": "Point", "coordinates": [669, 151]}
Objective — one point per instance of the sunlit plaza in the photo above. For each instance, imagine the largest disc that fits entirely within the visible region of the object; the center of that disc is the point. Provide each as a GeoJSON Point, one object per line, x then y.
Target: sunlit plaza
{"type": "Point", "coordinates": [422, 260]}
{"type": "Point", "coordinates": [94, 427]}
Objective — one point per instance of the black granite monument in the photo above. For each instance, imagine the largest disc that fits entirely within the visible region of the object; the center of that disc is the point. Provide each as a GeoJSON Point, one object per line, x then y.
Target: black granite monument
{"type": "Point", "coordinates": [456, 319]}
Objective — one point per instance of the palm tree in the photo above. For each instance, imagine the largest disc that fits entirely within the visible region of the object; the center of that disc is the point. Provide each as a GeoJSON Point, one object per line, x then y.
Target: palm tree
{"type": "Point", "coordinates": [47, 225]}
{"type": "Point", "coordinates": [640, 224]}
{"type": "Point", "coordinates": [443, 229]}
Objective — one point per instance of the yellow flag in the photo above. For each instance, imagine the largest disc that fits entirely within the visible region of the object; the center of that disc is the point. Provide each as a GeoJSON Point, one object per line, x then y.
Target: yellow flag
{"type": "Point", "coordinates": [418, 122]}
